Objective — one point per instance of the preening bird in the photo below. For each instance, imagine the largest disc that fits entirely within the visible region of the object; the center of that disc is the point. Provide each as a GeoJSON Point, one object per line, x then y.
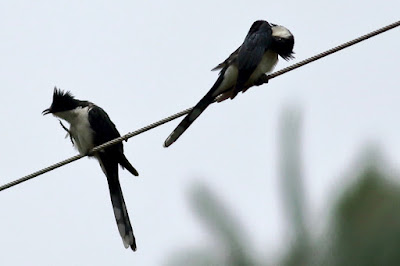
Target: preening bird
{"type": "Point", "coordinates": [244, 68]}
{"type": "Point", "coordinates": [90, 126]}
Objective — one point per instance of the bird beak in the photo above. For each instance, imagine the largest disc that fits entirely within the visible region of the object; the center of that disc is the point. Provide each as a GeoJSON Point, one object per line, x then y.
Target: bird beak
{"type": "Point", "coordinates": [46, 112]}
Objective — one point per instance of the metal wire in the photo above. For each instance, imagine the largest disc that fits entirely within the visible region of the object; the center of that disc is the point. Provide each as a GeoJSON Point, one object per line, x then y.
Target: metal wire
{"type": "Point", "coordinates": [334, 50]}
{"type": "Point", "coordinates": [95, 149]}
{"type": "Point", "coordinates": [182, 113]}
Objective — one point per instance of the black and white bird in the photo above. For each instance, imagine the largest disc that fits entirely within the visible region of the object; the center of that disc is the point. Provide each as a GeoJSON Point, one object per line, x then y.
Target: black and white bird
{"type": "Point", "coordinates": [244, 68]}
{"type": "Point", "coordinates": [90, 126]}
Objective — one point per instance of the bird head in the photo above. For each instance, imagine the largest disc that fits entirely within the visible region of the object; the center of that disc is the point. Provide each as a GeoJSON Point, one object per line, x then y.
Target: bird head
{"type": "Point", "coordinates": [283, 41]}
{"type": "Point", "coordinates": [62, 101]}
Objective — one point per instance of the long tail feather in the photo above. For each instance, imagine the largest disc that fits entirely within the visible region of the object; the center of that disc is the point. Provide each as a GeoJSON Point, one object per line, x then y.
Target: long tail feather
{"type": "Point", "coordinates": [127, 165]}
{"type": "Point", "coordinates": [188, 120]}
{"type": "Point", "coordinates": [110, 168]}
{"type": "Point", "coordinates": [197, 110]}
{"type": "Point", "coordinates": [121, 214]}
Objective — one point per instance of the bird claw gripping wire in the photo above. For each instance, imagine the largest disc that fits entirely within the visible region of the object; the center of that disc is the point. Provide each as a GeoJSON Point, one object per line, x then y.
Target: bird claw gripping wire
{"type": "Point", "coordinates": [262, 80]}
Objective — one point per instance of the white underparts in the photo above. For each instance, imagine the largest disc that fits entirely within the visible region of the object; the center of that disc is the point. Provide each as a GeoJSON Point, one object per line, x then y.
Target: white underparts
{"type": "Point", "coordinates": [267, 64]}
{"type": "Point", "coordinates": [80, 129]}
{"type": "Point", "coordinates": [230, 78]}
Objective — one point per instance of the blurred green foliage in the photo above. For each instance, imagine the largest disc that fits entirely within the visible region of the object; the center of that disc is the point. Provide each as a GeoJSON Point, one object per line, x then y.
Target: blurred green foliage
{"type": "Point", "coordinates": [364, 228]}
{"type": "Point", "coordinates": [367, 221]}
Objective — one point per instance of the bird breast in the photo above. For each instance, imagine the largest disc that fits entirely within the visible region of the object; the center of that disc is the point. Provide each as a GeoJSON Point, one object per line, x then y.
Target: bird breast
{"type": "Point", "coordinates": [80, 129]}
{"type": "Point", "coordinates": [267, 64]}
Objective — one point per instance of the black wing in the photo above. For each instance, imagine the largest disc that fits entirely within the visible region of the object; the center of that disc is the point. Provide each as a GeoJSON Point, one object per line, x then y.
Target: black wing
{"type": "Point", "coordinates": [105, 130]}
{"type": "Point", "coordinates": [257, 41]}
{"type": "Point", "coordinates": [102, 125]}
{"type": "Point", "coordinates": [227, 61]}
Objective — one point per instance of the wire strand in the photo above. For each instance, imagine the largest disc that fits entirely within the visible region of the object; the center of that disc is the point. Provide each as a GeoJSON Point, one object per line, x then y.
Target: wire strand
{"type": "Point", "coordinates": [184, 112]}
{"type": "Point", "coordinates": [334, 50]}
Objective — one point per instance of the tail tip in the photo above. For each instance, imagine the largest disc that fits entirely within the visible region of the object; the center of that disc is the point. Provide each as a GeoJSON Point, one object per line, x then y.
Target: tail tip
{"type": "Point", "coordinates": [134, 171]}
{"type": "Point", "coordinates": [132, 246]}
{"type": "Point", "coordinates": [174, 135]}
{"type": "Point", "coordinates": [168, 142]}
{"type": "Point", "coordinates": [131, 170]}
{"type": "Point", "coordinates": [129, 242]}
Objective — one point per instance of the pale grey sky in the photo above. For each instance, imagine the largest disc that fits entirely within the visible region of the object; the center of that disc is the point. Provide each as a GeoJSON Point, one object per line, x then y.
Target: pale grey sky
{"type": "Point", "coordinates": [142, 61]}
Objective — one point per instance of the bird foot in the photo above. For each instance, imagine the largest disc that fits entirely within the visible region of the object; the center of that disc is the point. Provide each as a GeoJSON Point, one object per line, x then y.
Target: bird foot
{"type": "Point", "coordinates": [261, 80]}
{"type": "Point", "coordinates": [69, 133]}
